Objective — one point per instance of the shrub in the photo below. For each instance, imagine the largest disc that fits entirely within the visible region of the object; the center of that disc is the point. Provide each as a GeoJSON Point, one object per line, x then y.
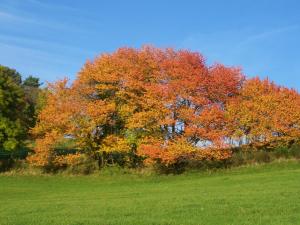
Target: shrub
{"type": "Point", "coordinates": [292, 151]}
{"type": "Point", "coordinates": [82, 164]}
{"type": "Point", "coordinates": [6, 164]}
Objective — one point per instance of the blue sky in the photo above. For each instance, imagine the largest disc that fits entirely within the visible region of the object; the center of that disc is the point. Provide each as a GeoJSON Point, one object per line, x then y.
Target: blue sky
{"type": "Point", "coordinates": [52, 39]}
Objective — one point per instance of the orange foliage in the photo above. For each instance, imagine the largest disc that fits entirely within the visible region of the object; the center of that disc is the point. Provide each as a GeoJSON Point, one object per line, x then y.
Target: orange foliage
{"type": "Point", "coordinates": [265, 113]}
{"type": "Point", "coordinates": [170, 102]}
{"type": "Point", "coordinates": [172, 151]}
{"type": "Point", "coordinates": [44, 150]}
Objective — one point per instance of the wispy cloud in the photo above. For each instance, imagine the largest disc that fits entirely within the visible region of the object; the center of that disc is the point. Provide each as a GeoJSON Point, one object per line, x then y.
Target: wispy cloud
{"type": "Point", "coordinates": [7, 18]}
{"type": "Point", "coordinates": [10, 17]}
{"type": "Point", "coordinates": [55, 6]}
{"type": "Point", "coordinates": [47, 65]}
{"type": "Point", "coordinates": [267, 34]}
{"type": "Point", "coordinates": [42, 45]}
{"type": "Point", "coordinates": [17, 12]}
{"type": "Point", "coordinates": [29, 49]}
{"type": "Point", "coordinates": [5, 15]}
{"type": "Point", "coordinates": [230, 44]}
{"type": "Point", "coordinates": [254, 49]}
{"type": "Point", "coordinates": [235, 38]}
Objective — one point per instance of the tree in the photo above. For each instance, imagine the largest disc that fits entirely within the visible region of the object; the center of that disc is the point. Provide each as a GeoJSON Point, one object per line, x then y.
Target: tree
{"type": "Point", "coordinates": [12, 106]}
{"type": "Point", "coordinates": [265, 114]}
{"type": "Point", "coordinates": [31, 82]}
{"type": "Point", "coordinates": [123, 101]}
{"type": "Point", "coordinates": [32, 93]}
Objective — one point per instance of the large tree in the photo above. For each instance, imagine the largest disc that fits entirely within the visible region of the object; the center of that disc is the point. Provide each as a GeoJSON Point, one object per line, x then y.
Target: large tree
{"type": "Point", "coordinates": [161, 102]}
{"type": "Point", "coordinates": [12, 108]}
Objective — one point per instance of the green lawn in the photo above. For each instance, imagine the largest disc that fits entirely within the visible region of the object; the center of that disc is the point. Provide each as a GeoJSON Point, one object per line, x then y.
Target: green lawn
{"type": "Point", "coordinates": [264, 194]}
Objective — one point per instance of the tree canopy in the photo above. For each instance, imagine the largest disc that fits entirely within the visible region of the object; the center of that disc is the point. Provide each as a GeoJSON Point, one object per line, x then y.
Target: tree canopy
{"type": "Point", "coordinates": [162, 105]}
{"type": "Point", "coordinates": [12, 106]}
{"type": "Point", "coordinates": [18, 102]}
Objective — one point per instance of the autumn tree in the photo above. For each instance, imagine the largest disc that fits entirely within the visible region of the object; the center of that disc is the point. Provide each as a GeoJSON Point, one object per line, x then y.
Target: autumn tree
{"type": "Point", "coordinates": [265, 114]}
{"type": "Point", "coordinates": [54, 121]}
{"type": "Point", "coordinates": [134, 98]}
{"type": "Point", "coordinates": [194, 97]}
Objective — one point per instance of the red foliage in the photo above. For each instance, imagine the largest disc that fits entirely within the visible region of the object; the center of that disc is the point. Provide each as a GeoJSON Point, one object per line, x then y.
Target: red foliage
{"type": "Point", "coordinates": [170, 102]}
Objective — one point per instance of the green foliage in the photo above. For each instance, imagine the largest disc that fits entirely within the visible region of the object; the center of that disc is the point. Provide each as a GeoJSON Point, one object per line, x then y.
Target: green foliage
{"type": "Point", "coordinates": [12, 108]}
{"type": "Point", "coordinates": [18, 107]}
{"type": "Point", "coordinates": [32, 93]}
{"type": "Point", "coordinates": [250, 157]}
{"type": "Point", "coordinates": [9, 159]}
{"type": "Point", "coordinates": [41, 100]}
{"type": "Point", "coordinates": [13, 74]}
{"type": "Point", "coordinates": [288, 152]}
{"type": "Point", "coordinates": [32, 82]}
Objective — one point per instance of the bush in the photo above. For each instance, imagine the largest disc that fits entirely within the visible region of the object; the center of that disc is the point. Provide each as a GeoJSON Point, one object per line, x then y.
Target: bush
{"type": "Point", "coordinates": [295, 151]}
{"type": "Point", "coordinates": [288, 152]}
{"type": "Point", "coordinates": [8, 159]}
{"type": "Point", "coordinates": [248, 156]}
{"type": "Point", "coordinates": [6, 164]}
{"type": "Point", "coordinates": [177, 167]}
{"type": "Point", "coordinates": [83, 165]}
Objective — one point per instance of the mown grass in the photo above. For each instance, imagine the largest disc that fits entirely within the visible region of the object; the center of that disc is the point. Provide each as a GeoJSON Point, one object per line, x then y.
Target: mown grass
{"type": "Point", "coordinates": [258, 194]}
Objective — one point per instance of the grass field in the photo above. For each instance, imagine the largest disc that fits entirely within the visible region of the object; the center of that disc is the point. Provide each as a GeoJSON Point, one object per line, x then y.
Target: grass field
{"type": "Point", "coordinates": [262, 194]}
